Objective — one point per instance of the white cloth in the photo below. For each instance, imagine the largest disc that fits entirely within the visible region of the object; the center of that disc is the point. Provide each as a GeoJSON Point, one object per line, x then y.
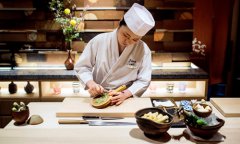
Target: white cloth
{"type": "Point", "coordinates": [139, 19]}
{"type": "Point", "coordinates": [100, 61]}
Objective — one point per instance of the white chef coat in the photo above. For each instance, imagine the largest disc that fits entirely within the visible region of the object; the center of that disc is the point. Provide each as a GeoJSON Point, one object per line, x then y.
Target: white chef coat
{"type": "Point", "coordinates": [100, 61]}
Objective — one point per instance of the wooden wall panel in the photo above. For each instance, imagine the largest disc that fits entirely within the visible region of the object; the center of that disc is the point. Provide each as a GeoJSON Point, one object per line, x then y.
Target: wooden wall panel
{"type": "Point", "coordinates": [20, 37]}
{"type": "Point", "coordinates": [17, 24]}
{"type": "Point", "coordinates": [47, 25]}
{"type": "Point", "coordinates": [174, 24]}
{"type": "Point", "coordinates": [163, 36]}
{"type": "Point", "coordinates": [173, 36]}
{"type": "Point", "coordinates": [102, 15]}
{"type": "Point", "coordinates": [16, 4]}
{"type": "Point", "coordinates": [183, 36]}
{"type": "Point", "coordinates": [177, 46]}
{"type": "Point", "coordinates": [168, 3]}
{"type": "Point", "coordinates": [20, 15]}
{"type": "Point", "coordinates": [99, 3]}
{"type": "Point", "coordinates": [47, 45]}
{"type": "Point", "coordinates": [177, 24]}
{"type": "Point", "coordinates": [111, 3]}
{"type": "Point", "coordinates": [154, 46]}
{"type": "Point", "coordinates": [101, 24]}
{"type": "Point", "coordinates": [169, 15]}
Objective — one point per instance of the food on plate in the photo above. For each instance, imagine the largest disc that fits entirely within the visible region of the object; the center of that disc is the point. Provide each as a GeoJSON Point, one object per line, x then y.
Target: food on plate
{"type": "Point", "coordinates": [194, 120]}
{"type": "Point", "coordinates": [156, 117]}
{"type": "Point", "coordinates": [201, 108]}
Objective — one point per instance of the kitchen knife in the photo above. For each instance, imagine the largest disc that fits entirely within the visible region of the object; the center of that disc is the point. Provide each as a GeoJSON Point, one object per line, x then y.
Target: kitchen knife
{"type": "Point", "coordinates": [98, 118]}
{"type": "Point", "coordinates": [94, 123]}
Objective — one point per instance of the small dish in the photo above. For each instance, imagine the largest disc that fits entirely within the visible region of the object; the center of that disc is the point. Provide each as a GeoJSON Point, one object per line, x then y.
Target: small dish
{"type": "Point", "coordinates": [202, 109]}
{"type": "Point", "coordinates": [101, 101]}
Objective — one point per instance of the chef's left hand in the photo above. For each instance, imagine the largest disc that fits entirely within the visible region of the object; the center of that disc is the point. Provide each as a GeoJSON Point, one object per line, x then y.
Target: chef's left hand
{"type": "Point", "coordinates": [119, 97]}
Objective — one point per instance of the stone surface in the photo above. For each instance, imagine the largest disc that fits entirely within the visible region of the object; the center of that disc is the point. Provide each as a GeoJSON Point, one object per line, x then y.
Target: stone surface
{"type": "Point", "coordinates": [35, 120]}
{"type": "Point", "coordinates": [61, 74]}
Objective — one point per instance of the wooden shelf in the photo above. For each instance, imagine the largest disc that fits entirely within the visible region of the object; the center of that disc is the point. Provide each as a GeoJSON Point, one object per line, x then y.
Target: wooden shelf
{"type": "Point", "coordinates": [97, 30]}
{"type": "Point", "coordinates": [103, 8]}
{"type": "Point", "coordinates": [54, 89]}
{"type": "Point", "coordinates": [17, 31]}
{"type": "Point", "coordinates": [17, 9]}
{"type": "Point", "coordinates": [4, 93]}
{"type": "Point", "coordinates": [173, 31]}
{"type": "Point", "coordinates": [172, 8]}
{"type": "Point", "coordinates": [126, 8]}
{"type": "Point", "coordinates": [193, 89]}
{"type": "Point", "coordinates": [65, 92]}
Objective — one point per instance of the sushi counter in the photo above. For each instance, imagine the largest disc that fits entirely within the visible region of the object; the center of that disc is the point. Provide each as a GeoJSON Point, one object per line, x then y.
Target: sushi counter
{"type": "Point", "coordinates": [50, 131]}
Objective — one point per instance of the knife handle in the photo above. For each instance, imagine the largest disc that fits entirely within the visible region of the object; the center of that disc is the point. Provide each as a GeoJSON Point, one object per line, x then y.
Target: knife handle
{"type": "Point", "coordinates": [121, 88]}
{"type": "Point", "coordinates": [72, 121]}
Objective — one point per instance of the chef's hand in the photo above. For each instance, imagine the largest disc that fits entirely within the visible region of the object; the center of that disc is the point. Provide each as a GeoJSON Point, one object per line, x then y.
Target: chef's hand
{"type": "Point", "coordinates": [119, 97]}
{"type": "Point", "coordinates": [94, 89]}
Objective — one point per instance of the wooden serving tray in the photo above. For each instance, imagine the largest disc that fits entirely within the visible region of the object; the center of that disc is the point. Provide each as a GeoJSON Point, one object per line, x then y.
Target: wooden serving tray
{"type": "Point", "coordinates": [76, 107]}
{"type": "Point", "coordinates": [229, 107]}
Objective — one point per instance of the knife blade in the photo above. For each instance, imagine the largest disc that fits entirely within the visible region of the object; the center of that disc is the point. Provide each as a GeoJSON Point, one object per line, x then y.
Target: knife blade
{"type": "Point", "coordinates": [104, 123]}
{"type": "Point", "coordinates": [94, 123]}
{"type": "Point", "coordinates": [98, 118]}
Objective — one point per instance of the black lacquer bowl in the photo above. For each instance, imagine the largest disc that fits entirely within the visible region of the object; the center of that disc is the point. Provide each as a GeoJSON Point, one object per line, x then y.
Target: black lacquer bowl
{"type": "Point", "coordinates": [150, 127]}
{"type": "Point", "coordinates": [206, 131]}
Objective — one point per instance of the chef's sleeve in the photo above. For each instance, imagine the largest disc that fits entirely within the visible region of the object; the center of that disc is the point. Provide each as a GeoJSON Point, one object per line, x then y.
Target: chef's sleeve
{"type": "Point", "coordinates": [143, 80]}
{"type": "Point", "coordinates": [84, 66]}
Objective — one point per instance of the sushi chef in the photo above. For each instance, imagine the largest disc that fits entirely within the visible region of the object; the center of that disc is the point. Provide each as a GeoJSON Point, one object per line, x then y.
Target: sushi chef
{"type": "Point", "coordinates": [117, 58]}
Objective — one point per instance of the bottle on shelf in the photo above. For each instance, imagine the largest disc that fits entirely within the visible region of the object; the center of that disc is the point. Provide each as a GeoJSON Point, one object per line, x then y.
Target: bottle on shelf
{"type": "Point", "coordinates": [12, 88]}
{"type": "Point", "coordinates": [29, 88]}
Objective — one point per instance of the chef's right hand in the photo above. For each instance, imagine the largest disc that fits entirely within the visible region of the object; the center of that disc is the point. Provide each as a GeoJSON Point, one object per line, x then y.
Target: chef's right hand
{"type": "Point", "coordinates": [94, 89]}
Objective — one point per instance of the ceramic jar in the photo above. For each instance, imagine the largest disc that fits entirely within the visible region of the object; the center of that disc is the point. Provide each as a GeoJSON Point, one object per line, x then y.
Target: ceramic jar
{"type": "Point", "coordinates": [12, 88]}
{"type": "Point", "coordinates": [29, 88]}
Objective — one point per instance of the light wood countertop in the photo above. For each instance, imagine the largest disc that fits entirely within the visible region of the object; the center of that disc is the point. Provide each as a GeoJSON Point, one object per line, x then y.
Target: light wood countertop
{"type": "Point", "coordinates": [51, 132]}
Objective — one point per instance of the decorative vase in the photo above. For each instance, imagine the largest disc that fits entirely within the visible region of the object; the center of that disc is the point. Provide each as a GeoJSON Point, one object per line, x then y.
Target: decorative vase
{"type": "Point", "coordinates": [12, 88]}
{"type": "Point", "coordinates": [20, 117]}
{"type": "Point", "coordinates": [69, 63]}
{"type": "Point", "coordinates": [29, 88]}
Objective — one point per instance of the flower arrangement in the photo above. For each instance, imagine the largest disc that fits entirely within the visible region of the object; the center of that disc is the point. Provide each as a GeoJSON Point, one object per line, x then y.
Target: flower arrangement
{"type": "Point", "coordinates": [198, 54]}
{"type": "Point", "coordinates": [71, 25]}
{"type": "Point", "coordinates": [198, 47]}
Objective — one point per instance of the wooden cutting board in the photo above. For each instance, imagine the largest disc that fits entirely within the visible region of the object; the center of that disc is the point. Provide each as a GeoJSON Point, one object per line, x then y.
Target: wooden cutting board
{"type": "Point", "coordinates": [76, 107]}
{"type": "Point", "coordinates": [229, 107]}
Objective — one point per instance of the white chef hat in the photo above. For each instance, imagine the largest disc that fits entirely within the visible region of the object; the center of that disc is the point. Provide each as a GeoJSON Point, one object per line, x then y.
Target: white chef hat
{"type": "Point", "coordinates": [139, 20]}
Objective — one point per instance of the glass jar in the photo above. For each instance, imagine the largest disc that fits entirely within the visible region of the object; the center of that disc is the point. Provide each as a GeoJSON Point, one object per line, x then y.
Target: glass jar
{"type": "Point", "coordinates": [76, 87]}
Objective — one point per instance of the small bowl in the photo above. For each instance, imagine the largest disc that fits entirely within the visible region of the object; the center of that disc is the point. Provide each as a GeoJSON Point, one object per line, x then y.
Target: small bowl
{"type": "Point", "coordinates": [200, 113]}
{"type": "Point", "coordinates": [103, 104]}
{"type": "Point", "coordinates": [150, 127]}
{"type": "Point", "coordinates": [20, 117]}
{"type": "Point", "coordinates": [206, 131]}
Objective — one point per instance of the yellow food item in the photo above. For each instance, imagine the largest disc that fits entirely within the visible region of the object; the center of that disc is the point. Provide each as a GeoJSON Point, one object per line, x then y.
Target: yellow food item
{"type": "Point", "coordinates": [121, 88]}
{"type": "Point", "coordinates": [200, 108]}
{"type": "Point", "coordinates": [208, 108]}
{"type": "Point", "coordinates": [156, 117]}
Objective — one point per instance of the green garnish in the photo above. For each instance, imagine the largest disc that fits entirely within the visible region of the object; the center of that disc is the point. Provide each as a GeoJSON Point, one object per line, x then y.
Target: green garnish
{"type": "Point", "coordinates": [201, 122]}
{"type": "Point", "coordinates": [101, 99]}
{"type": "Point", "coordinates": [194, 120]}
